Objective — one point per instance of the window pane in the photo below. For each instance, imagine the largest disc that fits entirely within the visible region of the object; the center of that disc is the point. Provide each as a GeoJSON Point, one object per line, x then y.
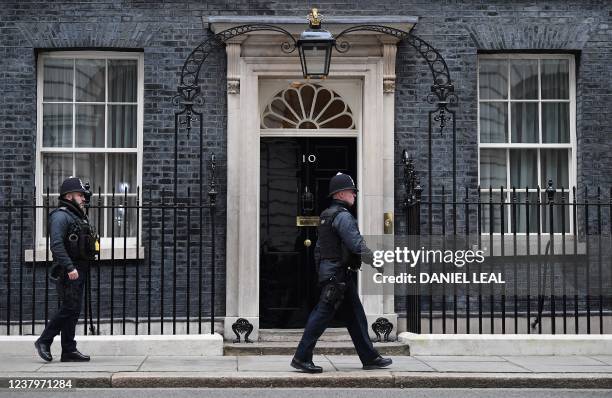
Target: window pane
{"type": "Point", "coordinates": [555, 78]}
{"type": "Point", "coordinates": [493, 79]}
{"type": "Point", "coordinates": [122, 126]}
{"type": "Point", "coordinates": [90, 80]}
{"type": "Point", "coordinates": [89, 167]}
{"type": "Point", "coordinates": [492, 168]}
{"type": "Point", "coordinates": [555, 167]}
{"type": "Point", "coordinates": [96, 212]}
{"type": "Point", "coordinates": [555, 122]}
{"type": "Point", "coordinates": [57, 125]}
{"type": "Point", "coordinates": [494, 122]}
{"type": "Point", "coordinates": [523, 168]}
{"type": "Point", "coordinates": [50, 203]}
{"type": "Point", "coordinates": [491, 212]}
{"type": "Point", "coordinates": [90, 126]}
{"type": "Point", "coordinates": [524, 211]}
{"type": "Point", "coordinates": [123, 217]}
{"type": "Point", "coordinates": [58, 79]}
{"type": "Point", "coordinates": [524, 79]}
{"type": "Point", "coordinates": [122, 172]}
{"type": "Point", "coordinates": [122, 80]}
{"type": "Point", "coordinates": [524, 122]}
{"type": "Point", "coordinates": [56, 167]}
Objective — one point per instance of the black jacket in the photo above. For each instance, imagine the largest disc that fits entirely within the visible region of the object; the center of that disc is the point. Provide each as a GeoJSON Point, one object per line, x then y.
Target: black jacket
{"type": "Point", "coordinates": [61, 221]}
{"type": "Point", "coordinates": [347, 229]}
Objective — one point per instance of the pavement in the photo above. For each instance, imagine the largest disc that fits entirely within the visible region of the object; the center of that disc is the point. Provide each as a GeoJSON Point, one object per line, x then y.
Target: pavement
{"type": "Point", "coordinates": [264, 371]}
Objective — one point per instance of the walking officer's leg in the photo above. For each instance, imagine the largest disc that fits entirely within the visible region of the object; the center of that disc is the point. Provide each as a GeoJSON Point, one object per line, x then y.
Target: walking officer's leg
{"type": "Point", "coordinates": [319, 319]}
{"type": "Point", "coordinates": [357, 324]}
{"type": "Point", "coordinates": [331, 297]}
{"type": "Point", "coordinates": [56, 323]}
{"type": "Point", "coordinates": [73, 298]}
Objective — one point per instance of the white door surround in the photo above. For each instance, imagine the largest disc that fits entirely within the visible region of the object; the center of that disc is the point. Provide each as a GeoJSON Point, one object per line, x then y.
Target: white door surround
{"type": "Point", "coordinates": [257, 56]}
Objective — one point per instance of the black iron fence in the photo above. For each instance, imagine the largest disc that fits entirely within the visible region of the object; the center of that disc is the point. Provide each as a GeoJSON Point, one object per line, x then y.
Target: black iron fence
{"type": "Point", "coordinates": [551, 246]}
{"type": "Point", "coordinates": [155, 274]}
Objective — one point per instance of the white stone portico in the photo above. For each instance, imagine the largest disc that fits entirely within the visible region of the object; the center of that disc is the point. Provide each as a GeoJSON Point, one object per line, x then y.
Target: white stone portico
{"type": "Point", "coordinates": [257, 57]}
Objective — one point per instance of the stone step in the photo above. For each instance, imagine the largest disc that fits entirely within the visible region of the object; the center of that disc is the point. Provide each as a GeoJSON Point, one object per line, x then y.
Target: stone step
{"type": "Point", "coordinates": [322, 348]}
{"type": "Point", "coordinates": [294, 335]}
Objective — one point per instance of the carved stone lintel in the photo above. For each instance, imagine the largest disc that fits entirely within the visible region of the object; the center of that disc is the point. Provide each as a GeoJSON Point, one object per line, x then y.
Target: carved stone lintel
{"type": "Point", "coordinates": [233, 86]}
{"type": "Point", "coordinates": [389, 85]}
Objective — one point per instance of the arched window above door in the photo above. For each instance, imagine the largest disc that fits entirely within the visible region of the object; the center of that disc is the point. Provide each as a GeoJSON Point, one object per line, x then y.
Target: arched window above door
{"type": "Point", "coordinates": [307, 106]}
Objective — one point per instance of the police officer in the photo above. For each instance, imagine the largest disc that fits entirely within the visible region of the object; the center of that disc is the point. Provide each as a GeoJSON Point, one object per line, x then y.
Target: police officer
{"type": "Point", "coordinates": [73, 242]}
{"type": "Point", "coordinates": [339, 251]}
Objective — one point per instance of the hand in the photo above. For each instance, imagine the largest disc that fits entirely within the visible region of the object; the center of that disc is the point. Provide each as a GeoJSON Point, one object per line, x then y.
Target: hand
{"type": "Point", "coordinates": [73, 275]}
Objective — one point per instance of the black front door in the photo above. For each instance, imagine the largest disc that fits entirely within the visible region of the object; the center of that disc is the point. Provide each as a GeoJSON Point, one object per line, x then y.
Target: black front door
{"type": "Point", "coordinates": [295, 174]}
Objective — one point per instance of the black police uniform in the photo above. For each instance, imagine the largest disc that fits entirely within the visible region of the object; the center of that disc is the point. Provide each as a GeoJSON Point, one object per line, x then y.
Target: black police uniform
{"type": "Point", "coordinates": [339, 251]}
{"type": "Point", "coordinates": [69, 231]}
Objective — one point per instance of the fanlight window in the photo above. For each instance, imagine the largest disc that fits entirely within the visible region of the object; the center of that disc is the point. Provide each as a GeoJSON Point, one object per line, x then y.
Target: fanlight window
{"type": "Point", "coordinates": [308, 106]}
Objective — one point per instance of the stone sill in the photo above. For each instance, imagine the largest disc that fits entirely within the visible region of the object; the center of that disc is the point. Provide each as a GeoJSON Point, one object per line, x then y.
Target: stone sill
{"type": "Point", "coordinates": [536, 245]}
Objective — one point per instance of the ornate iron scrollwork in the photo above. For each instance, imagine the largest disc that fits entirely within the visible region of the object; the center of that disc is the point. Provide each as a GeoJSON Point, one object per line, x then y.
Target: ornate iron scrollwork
{"type": "Point", "coordinates": [383, 327]}
{"type": "Point", "coordinates": [191, 68]}
{"type": "Point", "coordinates": [442, 87]}
{"type": "Point", "coordinates": [242, 326]}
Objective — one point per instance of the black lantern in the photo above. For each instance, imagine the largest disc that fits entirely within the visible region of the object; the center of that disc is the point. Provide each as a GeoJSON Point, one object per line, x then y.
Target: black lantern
{"type": "Point", "coordinates": [315, 47]}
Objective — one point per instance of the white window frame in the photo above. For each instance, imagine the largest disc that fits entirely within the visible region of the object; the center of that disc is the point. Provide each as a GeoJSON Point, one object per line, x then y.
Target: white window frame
{"type": "Point", "coordinates": [509, 145]}
{"type": "Point", "coordinates": [105, 241]}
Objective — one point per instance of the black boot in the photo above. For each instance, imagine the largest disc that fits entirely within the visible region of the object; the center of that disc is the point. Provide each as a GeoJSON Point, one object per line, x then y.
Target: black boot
{"type": "Point", "coordinates": [307, 367]}
{"type": "Point", "coordinates": [44, 351]}
{"type": "Point", "coordinates": [74, 356]}
{"type": "Point", "coordinates": [378, 363]}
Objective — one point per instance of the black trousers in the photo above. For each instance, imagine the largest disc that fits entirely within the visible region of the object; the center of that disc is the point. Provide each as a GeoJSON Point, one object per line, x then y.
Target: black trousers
{"type": "Point", "coordinates": [67, 317]}
{"type": "Point", "coordinates": [351, 313]}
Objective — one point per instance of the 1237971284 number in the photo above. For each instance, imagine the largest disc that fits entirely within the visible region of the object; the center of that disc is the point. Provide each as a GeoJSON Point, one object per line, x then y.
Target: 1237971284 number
{"type": "Point", "coordinates": [39, 383]}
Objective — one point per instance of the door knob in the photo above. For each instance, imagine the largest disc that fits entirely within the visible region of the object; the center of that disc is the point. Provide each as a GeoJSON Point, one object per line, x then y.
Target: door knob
{"type": "Point", "coordinates": [307, 243]}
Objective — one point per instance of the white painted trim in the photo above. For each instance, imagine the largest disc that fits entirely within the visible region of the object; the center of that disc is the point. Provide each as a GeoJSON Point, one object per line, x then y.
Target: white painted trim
{"type": "Point", "coordinates": [572, 145]}
{"type": "Point", "coordinates": [139, 57]}
{"type": "Point", "coordinates": [307, 133]}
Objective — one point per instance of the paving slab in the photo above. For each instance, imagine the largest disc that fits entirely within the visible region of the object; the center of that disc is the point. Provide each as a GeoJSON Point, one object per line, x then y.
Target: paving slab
{"type": "Point", "coordinates": [607, 359]}
{"type": "Point", "coordinates": [277, 363]}
{"type": "Point", "coordinates": [188, 364]}
{"type": "Point", "coordinates": [400, 363]}
{"type": "Point", "coordinates": [570, 369]}
{"type": "Point", "coordinates": [459, 358]}
{"type": "Point", "coordinates": [477, 366]}
{"type": "Point", "coordinates": [97, 364]}
{"type": "Point", "coordinates": [555, 360]}
{"type": "Point", "coordinates": [20, 364]}
{"type": "Point", "coordinates": [560, 364]}
{"type": "Point", "coordinates": [339, 371]}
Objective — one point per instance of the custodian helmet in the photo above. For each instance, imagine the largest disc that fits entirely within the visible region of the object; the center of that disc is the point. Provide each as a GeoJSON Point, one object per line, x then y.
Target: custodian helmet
{"type": "Point", "coordinates": [72, 184]}
{"type": "Point", "coordinates": [341, 182]}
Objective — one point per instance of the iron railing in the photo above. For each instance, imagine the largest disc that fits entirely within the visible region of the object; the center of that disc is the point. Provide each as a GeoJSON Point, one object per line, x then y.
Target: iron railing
{"type": "Point", "coordinates": [156, 272]}
{"type": "Point", "coordinates": [552, 246]}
